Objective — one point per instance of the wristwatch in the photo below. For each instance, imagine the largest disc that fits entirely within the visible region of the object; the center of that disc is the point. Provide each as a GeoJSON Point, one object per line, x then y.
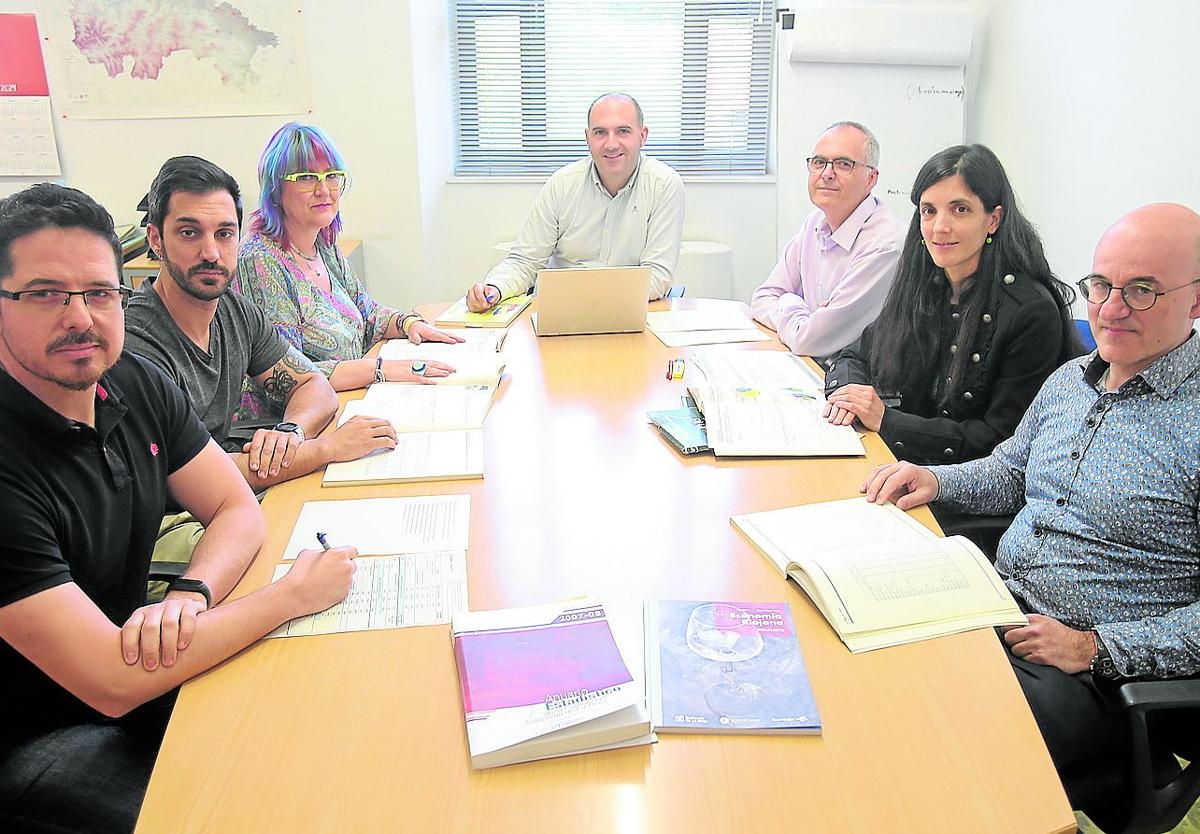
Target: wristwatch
{"type": "Point", "coordinates": [1102, 663]}
{"type": "Point", "coordinates": [292, 428]}
{"type": "Point", "coordinates": [379, 377]}
{"type": "Point", "coordinates": [192, 586]}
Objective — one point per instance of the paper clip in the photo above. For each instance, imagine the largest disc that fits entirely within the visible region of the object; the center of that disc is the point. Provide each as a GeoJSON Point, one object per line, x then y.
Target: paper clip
{"type": "Point", "coordinates": [675, 368]}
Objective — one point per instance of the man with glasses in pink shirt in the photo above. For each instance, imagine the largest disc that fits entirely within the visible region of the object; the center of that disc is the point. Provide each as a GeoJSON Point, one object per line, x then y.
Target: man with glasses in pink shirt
{"type": "Point", "coordinates": [834, 274]}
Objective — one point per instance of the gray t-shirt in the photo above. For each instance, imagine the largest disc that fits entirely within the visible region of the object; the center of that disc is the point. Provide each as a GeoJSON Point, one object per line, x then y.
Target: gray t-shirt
{"type": "Point", "coordinates": [241, 343]}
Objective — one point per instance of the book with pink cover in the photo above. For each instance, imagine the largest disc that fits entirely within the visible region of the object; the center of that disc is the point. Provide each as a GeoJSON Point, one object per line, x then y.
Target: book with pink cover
{"type": "Point", "coordinates": [546, 680]}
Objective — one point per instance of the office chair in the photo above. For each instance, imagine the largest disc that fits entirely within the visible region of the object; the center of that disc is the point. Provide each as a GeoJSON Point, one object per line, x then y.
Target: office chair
{"type": "Point", "coordinates": [1085, 335]}
{"type": "Point", "coordinates": [1151, 792]}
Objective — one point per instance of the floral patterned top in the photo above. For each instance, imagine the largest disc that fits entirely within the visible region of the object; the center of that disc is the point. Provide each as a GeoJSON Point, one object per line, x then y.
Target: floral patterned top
{"type": "Point", "coordinates": [327, 327]}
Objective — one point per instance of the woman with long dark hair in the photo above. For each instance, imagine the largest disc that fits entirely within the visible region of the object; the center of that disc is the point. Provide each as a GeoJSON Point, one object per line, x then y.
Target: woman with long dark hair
{"type": "Point", "coordinates": [974, 322]}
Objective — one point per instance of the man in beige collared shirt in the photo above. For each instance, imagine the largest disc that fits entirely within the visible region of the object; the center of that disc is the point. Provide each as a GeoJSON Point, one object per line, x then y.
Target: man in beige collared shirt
{"type": "Point", "coordinates": [615, 208]}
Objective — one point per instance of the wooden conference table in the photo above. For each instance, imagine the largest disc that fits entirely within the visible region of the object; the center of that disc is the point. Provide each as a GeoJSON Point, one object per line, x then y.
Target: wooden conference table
{"type": "Point", "coordinates": [364, 732]}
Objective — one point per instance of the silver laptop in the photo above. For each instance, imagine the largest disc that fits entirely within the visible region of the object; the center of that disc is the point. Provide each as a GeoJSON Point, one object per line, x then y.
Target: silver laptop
{"type": "Point", "coordinates": [591, 300]}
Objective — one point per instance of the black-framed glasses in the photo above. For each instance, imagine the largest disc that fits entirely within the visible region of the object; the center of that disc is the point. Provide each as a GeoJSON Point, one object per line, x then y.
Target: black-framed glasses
{"type": "Point", "coordinates": [841, 164]}
{"type": "Point", "coordinates": [101, 299]}
{"type": "Point", "coordinates": [1137, 295]}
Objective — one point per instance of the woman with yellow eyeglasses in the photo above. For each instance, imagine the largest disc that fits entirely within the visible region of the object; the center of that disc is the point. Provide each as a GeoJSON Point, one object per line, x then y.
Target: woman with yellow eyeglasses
{"type": "Point", "coordinates": [289, 264]}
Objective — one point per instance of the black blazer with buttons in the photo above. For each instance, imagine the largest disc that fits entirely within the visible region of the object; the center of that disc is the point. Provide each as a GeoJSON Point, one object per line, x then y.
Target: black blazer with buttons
{"type": "Point", "coordinates": [1017, 346]}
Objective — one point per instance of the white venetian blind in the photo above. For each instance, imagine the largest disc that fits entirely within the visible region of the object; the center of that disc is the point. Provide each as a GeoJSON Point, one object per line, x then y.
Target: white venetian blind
{"type": "Point", "coordinates": [525, 71]}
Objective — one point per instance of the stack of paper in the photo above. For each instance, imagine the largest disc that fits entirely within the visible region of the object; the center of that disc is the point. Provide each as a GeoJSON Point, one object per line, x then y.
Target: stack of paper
{"type": "Point", "coordinates": [679, 328]}
{"type": "Point", "coordinates": [545, 681]}
{"type": "Point", "coordinates": [411, 568]}
{"type": "Point", "coordinates": [879, 577]}
{"type": "Point", "coordinates": [761, 402]}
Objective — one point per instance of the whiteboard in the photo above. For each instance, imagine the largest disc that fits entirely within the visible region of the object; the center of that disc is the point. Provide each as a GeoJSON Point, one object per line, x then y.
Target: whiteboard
{"type": "Point", "coordinates": [898, 72]}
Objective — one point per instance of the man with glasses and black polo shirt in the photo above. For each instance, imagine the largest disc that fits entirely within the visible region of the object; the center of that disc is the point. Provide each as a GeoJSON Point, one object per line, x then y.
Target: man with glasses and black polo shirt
{"type": "Point", "coordinates": [1105, 472]}
{"type": "Point", "coordinates": [834, 275]}
{"type": "Point", "coordinates": [93, 441]}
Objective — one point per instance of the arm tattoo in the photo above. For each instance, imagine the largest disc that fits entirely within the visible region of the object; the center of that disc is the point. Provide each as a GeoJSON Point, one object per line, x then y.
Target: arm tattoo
{"type": "Point", "coordinates": [279, 384]}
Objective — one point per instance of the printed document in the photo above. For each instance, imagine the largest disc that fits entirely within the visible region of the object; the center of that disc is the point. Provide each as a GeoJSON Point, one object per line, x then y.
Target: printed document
{"type": "Point", "coordinates": [390, 592]}
{"type": "Point", "coordinates": [424, 407]}
{"type": "Point", "coordinates": [384, 526]}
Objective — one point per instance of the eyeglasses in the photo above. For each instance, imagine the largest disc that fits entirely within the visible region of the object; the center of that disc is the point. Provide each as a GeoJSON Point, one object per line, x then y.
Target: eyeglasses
{"type": "Point", "coordinates": [841, 165]}
{"type": "Point", "coordinates": [307, 180]}
{"type": "Point", "coordinates": [1137, 295]}
{"type": "Point", "coordinates": [104, 300]}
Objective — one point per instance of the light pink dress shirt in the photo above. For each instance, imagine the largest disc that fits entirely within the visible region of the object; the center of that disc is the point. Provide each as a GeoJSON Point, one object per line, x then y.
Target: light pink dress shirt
{"type": "Point", "coordinates": [829, 285]}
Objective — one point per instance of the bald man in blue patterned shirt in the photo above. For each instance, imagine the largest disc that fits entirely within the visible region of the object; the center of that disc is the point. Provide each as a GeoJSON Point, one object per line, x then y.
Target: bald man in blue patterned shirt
{"type": "Point", "coordinates": [1104, 555]}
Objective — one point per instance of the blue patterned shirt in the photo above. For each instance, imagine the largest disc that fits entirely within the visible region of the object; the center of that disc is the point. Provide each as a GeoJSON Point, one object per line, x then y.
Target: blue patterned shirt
{"type": "Point", "coordinates": [1109, 535]}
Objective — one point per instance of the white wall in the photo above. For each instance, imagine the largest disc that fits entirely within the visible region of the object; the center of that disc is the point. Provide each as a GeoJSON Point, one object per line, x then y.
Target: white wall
{"type": "Point", "coordinates": [363, 94]}
{"type": "Point", "coordinates": [1066, 92]}
{"type": "Point", "coordinates": [1092, 108]}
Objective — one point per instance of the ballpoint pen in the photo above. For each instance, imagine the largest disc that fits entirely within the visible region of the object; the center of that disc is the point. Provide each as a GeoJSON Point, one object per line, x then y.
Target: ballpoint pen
{"type": "Point", "coordinates": [324, 541]}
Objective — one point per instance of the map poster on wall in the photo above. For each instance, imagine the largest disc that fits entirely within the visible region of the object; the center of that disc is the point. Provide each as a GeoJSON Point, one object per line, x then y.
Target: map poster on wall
{"type": "Point", "coordinates": [27, 146]}
{"type": "Point", "coordinates": [146, 59]}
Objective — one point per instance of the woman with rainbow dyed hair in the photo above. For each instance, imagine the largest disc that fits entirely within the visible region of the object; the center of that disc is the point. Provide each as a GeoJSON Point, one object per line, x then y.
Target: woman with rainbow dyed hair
{"type": "Point", "coordinates": [290, 265]}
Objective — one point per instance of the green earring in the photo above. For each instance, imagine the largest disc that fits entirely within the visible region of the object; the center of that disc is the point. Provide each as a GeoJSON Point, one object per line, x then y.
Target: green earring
{"type": "Point", "coordinates": [989, 239]}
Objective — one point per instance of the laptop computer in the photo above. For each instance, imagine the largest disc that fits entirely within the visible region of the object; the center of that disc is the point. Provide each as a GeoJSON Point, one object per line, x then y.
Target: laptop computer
{"type": "Point", "coordinates": [580, 300]}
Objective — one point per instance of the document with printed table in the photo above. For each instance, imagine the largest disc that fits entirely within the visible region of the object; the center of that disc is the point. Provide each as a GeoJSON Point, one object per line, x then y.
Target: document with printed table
{"type": "Point", "coordinates": [474, 341]}
{"type": "Point", "coordinates": [726, 667]}
{"type": "Point", "coordinates": [879, 577]}
{"type": "Point", "coordinates": [471, 369]}
{"type": "Point", "coordinates": [384, 526]}
{"type": "Point", "coordinates": [411, 589]}
{"type": "Point", "coordinates": [417, 456]}
{"type": "Point", "coordinates": [501, 314]}
{"type": "Point", "coordinates": [548, 680]}
{"type": "Point", "coordinates": [766, 403]}
{"type": "Point", "coordinates": [424, 407]}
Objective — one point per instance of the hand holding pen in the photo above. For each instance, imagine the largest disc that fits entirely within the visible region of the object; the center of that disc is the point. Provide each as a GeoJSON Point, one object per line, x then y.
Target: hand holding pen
{"type": "Point", "coordinates": [482, 297]}
{"type": "Point", "coordinates": [321, 578]}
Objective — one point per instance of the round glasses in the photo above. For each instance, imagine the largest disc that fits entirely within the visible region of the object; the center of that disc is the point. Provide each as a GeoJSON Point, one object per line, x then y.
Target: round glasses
{"type": "Point", "coordinates": [104, 300]}
{"type": "Point", "coordinates": [1137, 295]}
{"type": "Point", "coordinates": [841, 165]}
{"type": "Point", "coordinates": [308, 180]}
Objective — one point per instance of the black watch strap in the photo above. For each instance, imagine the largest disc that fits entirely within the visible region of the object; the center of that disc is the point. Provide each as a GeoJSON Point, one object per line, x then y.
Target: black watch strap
{"type": "Point", "coordinates": [193, 586]}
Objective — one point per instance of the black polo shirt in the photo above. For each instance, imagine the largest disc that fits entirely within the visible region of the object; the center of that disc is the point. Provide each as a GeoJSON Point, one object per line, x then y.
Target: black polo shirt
{"type": "Point", "coordinates": [83, 505]}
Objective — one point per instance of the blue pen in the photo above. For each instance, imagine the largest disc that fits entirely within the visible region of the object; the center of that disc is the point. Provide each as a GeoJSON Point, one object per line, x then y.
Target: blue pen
{"type": "Point", "coordinates": [324, 542]}
{"type": "Point", "coordinates": [487, 294]}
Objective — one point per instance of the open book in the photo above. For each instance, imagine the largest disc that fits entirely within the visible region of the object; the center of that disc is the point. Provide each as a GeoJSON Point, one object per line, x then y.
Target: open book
{"type": "Point", "coordinates": [546, 680]}
{"type": "Point", "coordinates": [760, 402]}
{"type": "Point", "coordinates": [424, 407]}
{"type": "Point", "coordinates": [417, 456]}
{"type": "Point", "coordinates": [879, 577]}
{"type": "Point", "coordinates": [501, 314]}
{"type": "Point", "coordinates": [474, 341]}
{"type": "Point", "coordinates": [470, 369]}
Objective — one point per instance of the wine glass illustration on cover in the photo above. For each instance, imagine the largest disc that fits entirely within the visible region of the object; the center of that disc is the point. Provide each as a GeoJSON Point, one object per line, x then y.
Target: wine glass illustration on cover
{"type": "Point", "coordinates": [721, 632]}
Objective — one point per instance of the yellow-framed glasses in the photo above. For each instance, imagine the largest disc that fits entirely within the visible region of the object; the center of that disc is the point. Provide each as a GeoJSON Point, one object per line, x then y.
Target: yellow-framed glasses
{"type": "Point", "coordinates": [308, 180]}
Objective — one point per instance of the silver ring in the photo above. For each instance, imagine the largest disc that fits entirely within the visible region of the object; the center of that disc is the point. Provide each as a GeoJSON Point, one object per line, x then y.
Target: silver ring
{"type": "Point", "coordinates": [418, 368]}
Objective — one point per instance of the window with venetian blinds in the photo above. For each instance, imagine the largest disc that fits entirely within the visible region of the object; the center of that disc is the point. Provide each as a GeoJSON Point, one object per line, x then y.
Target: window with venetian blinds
{"type": "Point", "coordinates": [525, 71]}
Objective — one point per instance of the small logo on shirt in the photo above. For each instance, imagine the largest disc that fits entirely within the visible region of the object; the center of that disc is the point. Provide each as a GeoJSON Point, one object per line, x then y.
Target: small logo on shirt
{"type": "Point", "coordinates": [154, 449]}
